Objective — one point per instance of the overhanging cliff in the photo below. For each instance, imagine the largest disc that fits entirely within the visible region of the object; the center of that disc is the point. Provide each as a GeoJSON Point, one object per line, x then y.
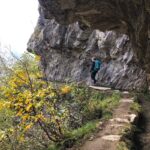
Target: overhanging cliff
{"type": "Point", "coordinates": [131, 17]}
{"type": "Point", "coordinates": [67, 47]}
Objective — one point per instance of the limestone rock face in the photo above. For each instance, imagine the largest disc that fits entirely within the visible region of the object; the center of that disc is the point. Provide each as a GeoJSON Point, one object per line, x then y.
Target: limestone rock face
{"type": "Point", "coordinates": [131, 17]}
{"type": "Point", "coordinates": [66, 53]}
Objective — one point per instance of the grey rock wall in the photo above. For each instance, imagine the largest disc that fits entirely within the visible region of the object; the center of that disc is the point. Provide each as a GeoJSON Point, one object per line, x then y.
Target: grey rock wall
{"type": "Point", "coordinates": [131, 17]}
{"type": "Point", "coordinates": [66, 53]}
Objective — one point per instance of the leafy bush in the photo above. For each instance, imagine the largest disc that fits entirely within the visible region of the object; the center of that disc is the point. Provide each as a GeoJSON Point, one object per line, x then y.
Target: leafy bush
{"type": "Point", "coordinates": [35, 114]}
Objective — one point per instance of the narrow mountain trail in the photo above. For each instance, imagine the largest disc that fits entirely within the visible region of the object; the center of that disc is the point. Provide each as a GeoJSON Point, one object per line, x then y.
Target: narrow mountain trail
{"type": "Point", "coordinates": [110, 132]}
{"type": "Point", "coordinates": [144, 137]}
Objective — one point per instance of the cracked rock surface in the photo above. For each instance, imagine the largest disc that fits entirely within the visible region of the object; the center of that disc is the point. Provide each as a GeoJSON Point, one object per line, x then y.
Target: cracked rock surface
{"type": "Point", "coordinates": [66, 48]}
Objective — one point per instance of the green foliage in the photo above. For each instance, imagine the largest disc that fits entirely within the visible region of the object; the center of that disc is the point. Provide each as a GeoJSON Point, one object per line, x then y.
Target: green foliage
{"type": "Point", "coordinates": [35, 114]}
{"type": "Point", "coordinates": [122, 146]}
{"type": "Point", "coordinates": [82, 131]}
{"type": "Point", "coordinates": [136, 107]}
{"type": "Point", "coordinates": [73, 136]}
{"type": "Point", "coordinates": [53, 147]}
{"type": "Point", "coordinates": [102, 105]}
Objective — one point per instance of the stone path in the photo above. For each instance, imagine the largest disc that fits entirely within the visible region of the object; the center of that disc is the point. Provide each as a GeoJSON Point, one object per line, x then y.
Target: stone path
{"type": "Point", "coordinates": [100, 88]}
{"type": "Point", "coordinates": [111, 132]}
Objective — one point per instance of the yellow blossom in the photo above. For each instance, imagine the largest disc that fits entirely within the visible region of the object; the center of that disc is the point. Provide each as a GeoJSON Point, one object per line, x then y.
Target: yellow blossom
{"type": "Point", "coordinates": [1, 105]}
{"type": "Point", "coordinates": [37, 58]}
{"type": "Point", "coordinates": [21, 139]}
{"type": "Point", "coordinates": [2, 135]}
{"type": "Point", "coordinates": [29, 107]}
{"type": "Point", "coordinates": [65, 89]}
{"type": "Point", "coordinates": [6, 105]}
{"type": "Point", "coordinates": [19, 113]}
{"type": "Point", "coordinates": [52, 94]}
{"type": "Point", "coordinates": [10, 130]}
{"type": "Point", "coordinates": [40, 116]}
{"type": "Point", "coordinates": [27, 101]}
{"type": "Point", "coordinates": [28, 127]}
{"type": "Point", "coordinates": [25, 117]}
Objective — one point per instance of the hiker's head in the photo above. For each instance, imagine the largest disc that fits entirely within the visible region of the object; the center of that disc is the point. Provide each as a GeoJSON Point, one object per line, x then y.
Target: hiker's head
{"type": "Point", "coordinates": [93, 58]}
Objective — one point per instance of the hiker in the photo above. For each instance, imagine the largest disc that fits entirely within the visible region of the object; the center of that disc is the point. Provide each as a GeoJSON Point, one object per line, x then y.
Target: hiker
{"type": "Point", "coordinates": [96, 64]}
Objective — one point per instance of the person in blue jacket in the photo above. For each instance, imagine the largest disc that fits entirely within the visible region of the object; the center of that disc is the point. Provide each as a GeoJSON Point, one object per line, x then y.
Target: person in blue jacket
{"type": "Point", "coordinates": [95, 67]}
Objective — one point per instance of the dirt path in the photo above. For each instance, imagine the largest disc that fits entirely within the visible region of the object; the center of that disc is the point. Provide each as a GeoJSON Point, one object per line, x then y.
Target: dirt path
{"type": "Point", "coordinates": [111, 132]}
{"type": "Point", "coordinates": [144, 137]}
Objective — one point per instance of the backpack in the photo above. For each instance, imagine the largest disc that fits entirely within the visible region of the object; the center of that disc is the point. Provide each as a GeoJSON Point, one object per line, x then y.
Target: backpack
{"type": "Point", "coordinates": [97, 65]}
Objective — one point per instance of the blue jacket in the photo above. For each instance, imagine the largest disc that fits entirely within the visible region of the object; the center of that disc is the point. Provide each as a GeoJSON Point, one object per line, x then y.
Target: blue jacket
{"type": "Point", "coordinates": [96, 65]}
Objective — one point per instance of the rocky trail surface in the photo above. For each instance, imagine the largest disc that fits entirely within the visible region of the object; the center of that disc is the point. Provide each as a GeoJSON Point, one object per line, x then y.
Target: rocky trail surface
{"type": "Point", "coordinates": [110, 133]}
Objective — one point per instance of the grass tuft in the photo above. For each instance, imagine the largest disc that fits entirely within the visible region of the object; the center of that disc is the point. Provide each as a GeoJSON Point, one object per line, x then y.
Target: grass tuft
{"type": "Point", "coordinates": [136, 107]}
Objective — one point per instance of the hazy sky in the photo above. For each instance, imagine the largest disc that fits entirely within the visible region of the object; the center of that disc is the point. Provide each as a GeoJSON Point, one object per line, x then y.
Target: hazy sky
{"type": "Point", "coordinates": [17, 21]}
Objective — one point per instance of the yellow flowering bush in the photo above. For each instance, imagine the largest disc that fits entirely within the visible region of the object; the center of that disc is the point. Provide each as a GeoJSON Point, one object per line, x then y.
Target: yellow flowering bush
{"type": "Point", "coordinates": [34, 103]}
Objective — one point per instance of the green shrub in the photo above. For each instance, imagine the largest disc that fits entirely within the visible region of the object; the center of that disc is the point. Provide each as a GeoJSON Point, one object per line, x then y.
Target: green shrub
{"type": "Point", "coordinates": [136, 107]}
{"type": "Point", "coordinates": [35, 114]}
